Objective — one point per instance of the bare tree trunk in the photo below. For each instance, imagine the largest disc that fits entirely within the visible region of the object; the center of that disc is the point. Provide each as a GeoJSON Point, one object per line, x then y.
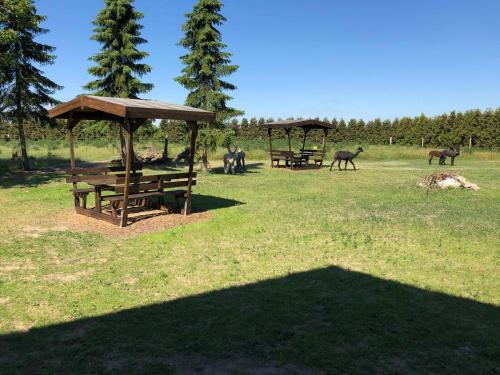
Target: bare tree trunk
{"type": "Point", "coordinates": [20, 126]}
{"type": "Point", "coordinates": [22, 141]}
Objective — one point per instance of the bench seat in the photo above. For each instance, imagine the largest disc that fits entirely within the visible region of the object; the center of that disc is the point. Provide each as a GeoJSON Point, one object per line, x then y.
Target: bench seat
{"type": "Point", "coordinates": [82, 191]}
{"type": "Point", "coordinates": [120, 197]}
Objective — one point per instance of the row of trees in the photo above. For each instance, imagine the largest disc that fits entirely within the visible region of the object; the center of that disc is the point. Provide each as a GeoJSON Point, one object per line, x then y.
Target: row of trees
{"type": "Point", "coordinates": [482, 128]}
{"type": "Point", "coordinates": [25, 92]}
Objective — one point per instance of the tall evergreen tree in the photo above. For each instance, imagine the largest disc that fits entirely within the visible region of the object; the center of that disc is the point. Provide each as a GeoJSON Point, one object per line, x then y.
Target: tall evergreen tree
{"type": "Point", "coordinates": [24, 90]}
{"type": "Point", "coordinates": [119, 67]}
{"type": "Point", "coordinates": [206, 64]}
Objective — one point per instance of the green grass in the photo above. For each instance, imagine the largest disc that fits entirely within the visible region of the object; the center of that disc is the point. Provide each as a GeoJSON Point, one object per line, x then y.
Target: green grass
{"type": "Point", "coordinates": [342, 272]}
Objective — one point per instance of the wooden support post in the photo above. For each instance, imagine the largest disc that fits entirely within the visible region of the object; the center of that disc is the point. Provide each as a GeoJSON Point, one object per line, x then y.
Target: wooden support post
{"type": "Point", "coordinates": [470, 143]}
{"type": "Point", "coordinates": [305, 136]}
{"type": "Point", "coordinates": [390, 140]}
{"type": "Point", "coordinates": [165, 148]}
{"type": "Point", "coordinates": [270, 146]}
{"type": "Point", "coordinates": [325, 134]}
{"type": "Point", "coordinates": [128, 165]}
{"type": "Point", "coordinates": [422, 143]}
{"type": "Point", "coordinates": [288, 131]}
{"type": "Point", "coordinates": [194, 133]}
{"type": "Point", "coordinates": [70, 125]}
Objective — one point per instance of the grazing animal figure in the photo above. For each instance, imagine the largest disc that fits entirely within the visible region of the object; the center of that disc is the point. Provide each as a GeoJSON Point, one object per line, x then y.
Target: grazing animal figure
{"type": "Point", "coordinates": [437, 154]}
{"type": "Point", "coordinates": [452, 153]}
{"type": "Point", "coordinates": [184, 155]}
{"type": "Point", "coordinates": [346, 156]}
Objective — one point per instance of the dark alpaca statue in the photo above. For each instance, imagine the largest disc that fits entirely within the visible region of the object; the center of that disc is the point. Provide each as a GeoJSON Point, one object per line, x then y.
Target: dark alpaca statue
{"type": "Point", "coordinates": [346, 156]}
{"type": "Point", "coordinates": [437, 154]}
{"type": "Point", "coordinates": [185, 155]}
{"type": "Point", "coordinates": [452, 153]}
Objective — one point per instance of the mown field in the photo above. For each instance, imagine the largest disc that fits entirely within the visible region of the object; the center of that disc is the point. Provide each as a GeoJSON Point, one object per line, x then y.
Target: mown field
{"type": "Point", "coordinates": [293, 272]}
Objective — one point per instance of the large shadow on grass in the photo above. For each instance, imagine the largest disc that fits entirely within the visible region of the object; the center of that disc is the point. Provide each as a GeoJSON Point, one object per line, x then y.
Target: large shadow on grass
{"type": "Point", "coordinates": [328, 319]}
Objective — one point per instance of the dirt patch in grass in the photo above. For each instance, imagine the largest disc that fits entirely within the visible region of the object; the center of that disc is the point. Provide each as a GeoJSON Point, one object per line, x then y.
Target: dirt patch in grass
{"type": "Point", "coordinates": [139, 223]}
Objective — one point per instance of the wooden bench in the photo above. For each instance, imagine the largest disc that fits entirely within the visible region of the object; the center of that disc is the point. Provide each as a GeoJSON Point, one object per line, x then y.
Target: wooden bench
{"type": "Point", "coordinates": [281, 155]}
{"type": "Point", "coordinates": [315, 155]}
{"type": "Point", "coordinates": [144, 188]}
{"type": "Point", "coordinates": [98, 175]}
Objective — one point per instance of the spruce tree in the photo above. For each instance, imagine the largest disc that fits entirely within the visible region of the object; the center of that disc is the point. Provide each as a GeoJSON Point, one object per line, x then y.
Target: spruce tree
{"type": "Point", "coordinates": [119, 67]}
{"type": "Point", "coordinates": [24, 90]}
{"type": "Point", "coordinates": [206, 65]}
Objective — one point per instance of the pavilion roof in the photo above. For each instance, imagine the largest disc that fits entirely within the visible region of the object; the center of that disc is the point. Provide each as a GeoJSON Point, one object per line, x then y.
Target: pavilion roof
{"type": "Point", "coordinates": [306, 124]}
{"type": "Point", "coordinates": [89, 107]}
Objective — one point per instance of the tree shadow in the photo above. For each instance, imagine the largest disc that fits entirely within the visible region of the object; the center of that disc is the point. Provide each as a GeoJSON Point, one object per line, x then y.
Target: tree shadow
{"type": "Point", "coordinates": [249, 168]}
{"type": "Point", "coordinates": [202, 203]}
{"type": "Point", "coordinates": [43, 170]}
{"type": "Point", "coordinates": [328, 319]}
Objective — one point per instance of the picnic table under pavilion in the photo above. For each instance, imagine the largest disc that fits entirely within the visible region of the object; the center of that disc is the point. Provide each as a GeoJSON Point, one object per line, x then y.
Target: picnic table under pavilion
{"type": "Point", "coordinates": [127, 186]}
{"type": "Point", "coordinates": [304, 158]}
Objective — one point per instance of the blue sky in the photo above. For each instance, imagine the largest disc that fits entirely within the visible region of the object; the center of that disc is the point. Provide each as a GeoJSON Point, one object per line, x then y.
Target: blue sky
{"type": "Point", "coordinates": [334, 58]}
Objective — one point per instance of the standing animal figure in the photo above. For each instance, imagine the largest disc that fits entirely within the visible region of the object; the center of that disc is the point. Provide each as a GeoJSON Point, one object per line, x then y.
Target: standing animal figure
{"type": "Point", "coordinates": [437, 154]}
{"type": "Point", "coordinates": [346, 156]}
{"type": "Point", "coordinates": [229, 160]}
{"type": "Point", "coordinates": [240, 158]}
{"type": "Point", "coordinates": [452, 153]}
{"type": "Point", "coordinates": [233, 160]}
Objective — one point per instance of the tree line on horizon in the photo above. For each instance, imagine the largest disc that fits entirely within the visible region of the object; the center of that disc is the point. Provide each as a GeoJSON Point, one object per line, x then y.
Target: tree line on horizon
{"type": "Point", "coordinates": [481, 128]}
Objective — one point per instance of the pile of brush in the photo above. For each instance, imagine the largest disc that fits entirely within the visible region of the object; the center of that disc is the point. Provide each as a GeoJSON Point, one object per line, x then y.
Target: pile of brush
{"type": "Point", "coordinates": [150, 157]}
{"type": "Point", "coordinates": [446, 180]}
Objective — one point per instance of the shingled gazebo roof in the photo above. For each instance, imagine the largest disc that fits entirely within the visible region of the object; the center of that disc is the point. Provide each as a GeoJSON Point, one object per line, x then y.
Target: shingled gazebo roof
{"type": "Point", "coordinates": [91, 107]}
{"type": "Point", "coordinates": [305, 124]}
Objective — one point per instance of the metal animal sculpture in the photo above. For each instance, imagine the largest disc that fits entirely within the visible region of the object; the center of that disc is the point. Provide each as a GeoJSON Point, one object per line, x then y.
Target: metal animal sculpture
{"type": "Point", "coordinates": [234, 160]}
{"type": "Point", "coordinates": [437, 154]}
{"type": "Point", "coordinates": [452, 153]}
{"type": "Point", "coordinates": [184, 155]}
{"type": "Point", "coordinates": [346, 156]}
{"type": "Point", "coordinates": [240, 158]}
{"type": "Point", "coordinates": [229, 161]}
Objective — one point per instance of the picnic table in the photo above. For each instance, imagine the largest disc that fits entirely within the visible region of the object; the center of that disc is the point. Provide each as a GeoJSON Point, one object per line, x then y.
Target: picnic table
{"type": "Point", "coordinates": [108, 185]}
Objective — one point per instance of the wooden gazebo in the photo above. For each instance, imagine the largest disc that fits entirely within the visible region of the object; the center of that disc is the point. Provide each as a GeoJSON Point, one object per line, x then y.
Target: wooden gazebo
{"type": "Point", "coordinates": [302, 158]}
{"type": "Point", "coordinates": [127, 184]}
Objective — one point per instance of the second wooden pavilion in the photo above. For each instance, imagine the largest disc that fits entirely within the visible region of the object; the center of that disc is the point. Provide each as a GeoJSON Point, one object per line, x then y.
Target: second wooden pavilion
{"type": "Point", "coordinates": [303, 158]}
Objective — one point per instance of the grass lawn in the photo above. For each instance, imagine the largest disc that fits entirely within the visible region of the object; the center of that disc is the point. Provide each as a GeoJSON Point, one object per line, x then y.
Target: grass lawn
{"type": "Point", "coordinates": [310, 271]}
